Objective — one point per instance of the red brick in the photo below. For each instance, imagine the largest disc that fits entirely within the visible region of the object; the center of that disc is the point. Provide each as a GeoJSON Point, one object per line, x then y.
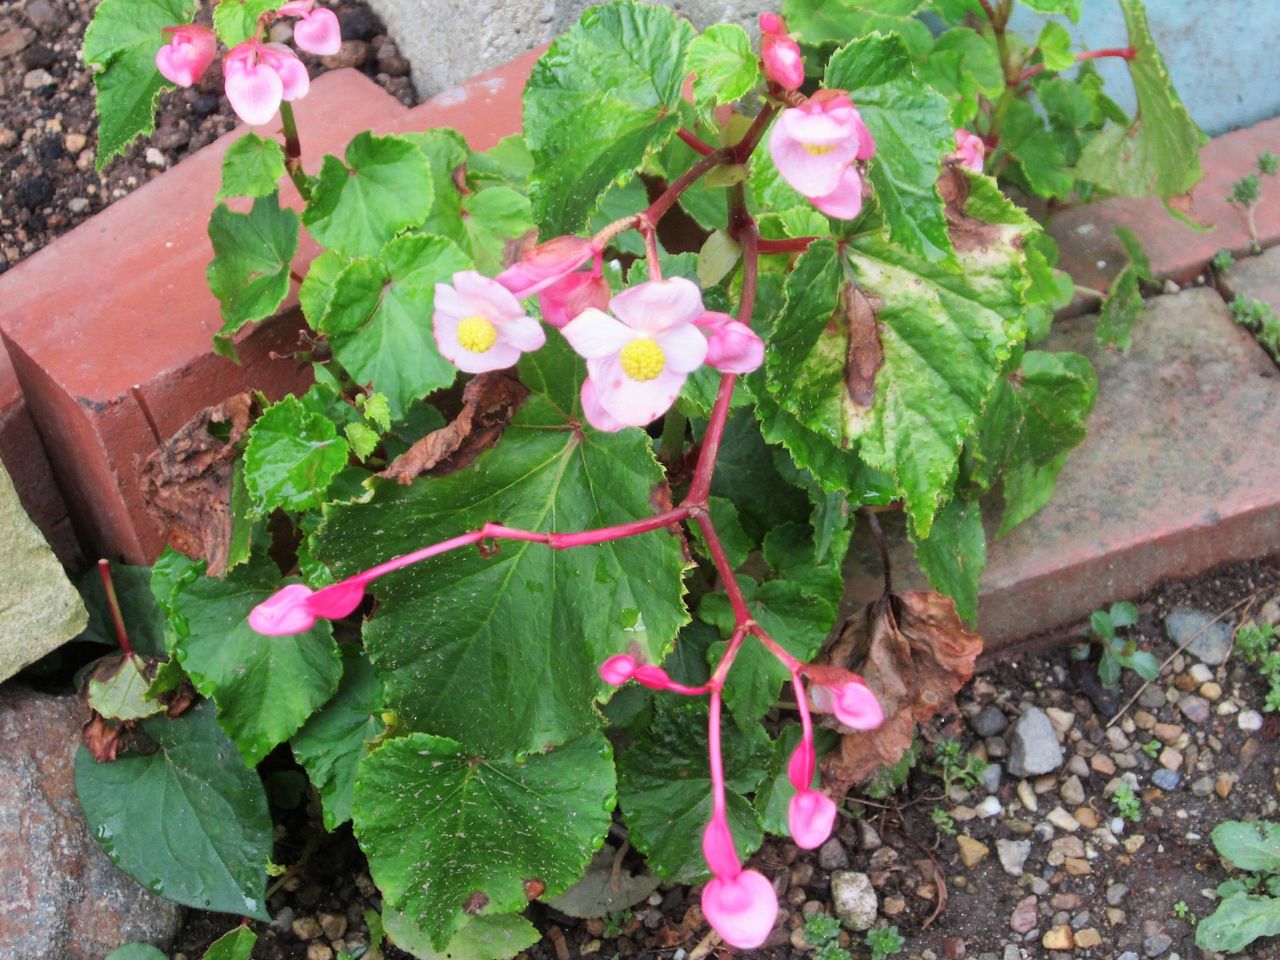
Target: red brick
{"type": "Point", "coordinates": [1092, 254]}
{"type": "Point", "coordinates": [1178, 474]}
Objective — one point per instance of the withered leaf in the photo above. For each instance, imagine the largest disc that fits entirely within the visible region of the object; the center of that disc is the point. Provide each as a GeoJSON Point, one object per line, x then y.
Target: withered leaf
{"type": "Point", "coordinates": [102, 737]}
{"type": "Point", "coordinates": [915, 652]}
{"type": "Point", "coordinates": [866, 352]}
{"type": "Point", "coordinates": [488, 403]}
{"type": "Point", "coordinates": [966, 232]}
{"type": "Point", "coordinates": [186, 483]}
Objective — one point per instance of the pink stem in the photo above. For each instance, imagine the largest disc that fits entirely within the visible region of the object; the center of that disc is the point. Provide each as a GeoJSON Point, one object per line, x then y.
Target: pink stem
{"type": "Point", "coordinates": [716, 761]}
{"type": "Point", "coordinates": [113, 604]}
{"type": "Point", "coordinates": [1124, 53]}
{"type": "Point", "coordinates": [693, 140]}
{"type": "Point", "coordinates": [789, 245]}
{"type": "Point", "coordinates": [788, 661]}
{"type": "Point", "coordinates": [741, 612]}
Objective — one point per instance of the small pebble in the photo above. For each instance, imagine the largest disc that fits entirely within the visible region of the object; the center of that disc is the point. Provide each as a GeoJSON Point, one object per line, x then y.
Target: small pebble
{"type": "Point", "coordinates": [1249, 720]}
{"type": "Point", "coordinates": [1195, 709]}
{"type": "Point", "coordinates": [989, 807]}
{"type": "Point", "coordinates": [1063, 820]}
{"type": "Point", "coordinates": [1166, 779]}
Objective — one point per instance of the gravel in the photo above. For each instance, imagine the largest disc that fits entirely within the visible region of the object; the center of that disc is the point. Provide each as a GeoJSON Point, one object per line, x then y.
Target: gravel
{"type": "Point", "coordinates": [1033, 746]}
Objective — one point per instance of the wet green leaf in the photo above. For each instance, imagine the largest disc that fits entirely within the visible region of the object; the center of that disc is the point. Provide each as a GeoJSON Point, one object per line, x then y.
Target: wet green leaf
{"type": "Point", "coordinates": [251, 167]}
{"type": "Point", "coordinates": [292, 456]}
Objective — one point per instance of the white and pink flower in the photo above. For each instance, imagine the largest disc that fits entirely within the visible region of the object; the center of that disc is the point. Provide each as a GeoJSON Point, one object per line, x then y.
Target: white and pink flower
{"type": "Point", "coordinates": [479, 326]}
{"type": "Point", "coordinates": [187, 55]}
{"type": "Point", "coordinates": [815, 147]}
{"type": "Point", "coordinates": [639, 358]}
{"type": "Point", "coordinates": [317, 31]}
{"type": "Point", "coordinates": [970, 152]}
{"type": "Point", "coordinates": [259, 76]}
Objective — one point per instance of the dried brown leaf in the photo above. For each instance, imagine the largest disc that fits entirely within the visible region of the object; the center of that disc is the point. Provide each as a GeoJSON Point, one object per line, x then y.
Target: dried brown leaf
{"type": "Point", "coordinates": [916, 653]}
{"type": "Point", "coordinates": [866, 352]}
{"type": "Point", "coordinates": [488, 403]}
{"type": "Point", "coordinates": [967, 233]}
{"type": "Point", "coordinates": [102, 737]}
{"type": "Point", "coordinates": [186, 483]}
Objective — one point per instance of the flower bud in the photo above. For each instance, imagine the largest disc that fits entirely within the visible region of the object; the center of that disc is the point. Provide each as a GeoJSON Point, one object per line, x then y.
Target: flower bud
{"type": "Point", "coordinates": [545, 264]}
{"type": "Point", "coordinates": [970, 150]}
{"type": "Point", "coordinates": [810, 817]}
{"type": "Point", "coordinates": [187, 55]}
{"type": "Point", "coordinates": [783, 64]}
{"type": "Point", "coordinates": [617, 670]}
{"type": "Point", "coordinates": [741, 909]}
{"type": "Point", "coordinates": [772, 25]}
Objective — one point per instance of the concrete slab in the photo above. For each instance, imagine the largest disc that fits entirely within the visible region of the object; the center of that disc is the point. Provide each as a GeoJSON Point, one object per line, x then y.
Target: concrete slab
{"type": "Point", "coordinates": [1256, 277]}
{"type": "Point", "coordinates": [1178, 474]}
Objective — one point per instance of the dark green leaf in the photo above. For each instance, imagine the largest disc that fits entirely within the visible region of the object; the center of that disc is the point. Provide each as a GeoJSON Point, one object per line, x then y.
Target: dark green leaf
{"type": "Point", "coordinates": [142, 618]}
{"type": "Point", "coordinates": [188, 822]}
{"type": "Point", "coordinates": [136, 951]}
{"type": "Point", "coordinates": [292, 457]}
{"type": "Point", "coordinates": [235, 945]}
{"type": "Point", "coordinates": [251, 167]}
{"type": "Point", "coordinates": [955, 553]}
{"type": "Point", "coordinates": [607, 92]}
{"type": "Point", "coordinates": [448, 832]}
{"type": "Point", "coordinates": [745, 475]}
{"type": "Point", "coordinates": [1036, 151]}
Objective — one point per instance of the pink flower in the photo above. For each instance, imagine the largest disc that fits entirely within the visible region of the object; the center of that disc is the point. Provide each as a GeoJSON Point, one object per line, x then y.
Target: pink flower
{"type": "Point", "coordinates": [318, 31]}
{"type": "Point", "coordinates": [570, 296]}
{"type": "Point", "coordinates": [970, 150]}
{"type": "Point", "coordinates": [187, 55]}
{"type": "Point", "coordinates": [812, 145]}
{"type": "Point", "coordinates": [845, 201]}
{"type": "Point", "coordinates": [739, 904]}
{"type": "Point", "coordinates": [260, 75]}
{"type": "Point", "coordinates": [638, 362]}
{"type": "Point", "coordinates": [480, 326]}
{"type": "Point", "coordinates": [810, 816]}
{"type": "Point", "coordinates": [780, 54]}
{"type": "Point", "coordinates": [545, 264]}
{"type": "Point", "coordinates": [732, 347]}
{"type": "Point", "coordinates": [853, 703]}
{"type": "Point", "coordinates": [618, 670]}
{"type": "Point", "coordinates": [296, 608]}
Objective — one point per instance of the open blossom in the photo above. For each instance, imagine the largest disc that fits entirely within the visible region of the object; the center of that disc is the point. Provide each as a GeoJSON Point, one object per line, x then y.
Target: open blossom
{"type": "Point", "coordinates": [970, 150]}
{"type": "Point", "coordinates": [638, 358]}
{"type": "Point", "coordinates": [814, 148]}
{"type": "Point", "coordinates": [317, 31]}
{"type": "Point", "coordinates": [550, 272]}
{"type": "Point", "coordinates": [480, 326]}
{"type": "Point", "coordinates": [739, 904]}
{"type": "Point", "coordinates": [780, 54]}
{"type": "Point", "coordinates": [260, 75]}
{"type": "Point", "coordinates": [187, 55]}
{"type": "Point", "coordinates": [732, 346]}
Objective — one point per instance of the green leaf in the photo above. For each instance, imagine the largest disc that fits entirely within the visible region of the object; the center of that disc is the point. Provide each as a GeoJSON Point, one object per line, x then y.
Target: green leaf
{"type": "Point", "coordinates": [792, 552]}
{"type": "Point", "coordinates": [292, 457]}
{"type": "Point", "coordinates": [378, 319]}
{"type": "Point", "coordinates": [331, 743]}
{"type": "Point", "coordinates": [1249, 846]}
{"type": "Point", "coordinates": [1063, 8]}
{"type": "Point", "coordinates": [1142, 663]}
{"type": "Point", "coordinates": [122, 42]}
{"type": "Point", "coordinates": [486, 937]}
{"type": "Point", "coordinates": [1123, 614]}
{"type": "Point", "coordinates": [1055, 47]}
{"type": "Point", "coordinates": [745, 475]}
{"type": "Point", "coordinates": [726, 67]}
{"type": "Point", "coordinates": [238, 20]}
{"type": "Point", "coordinates": [737, 545]}
{"type": "Point", "coordinates": [142, 618]}
{"type": "Point", "coordinates": [120, 695]}
{"type": "Point", "coordinates": [962, 66]}
{"type": "Point", "coordinates": [492, 218]}
{"type": "Point", "coordinates": [444, 829]}
{"type": "Point", "coordinates": [835, 21]}
{"type": "Point", "coordinates": [453, 635]}
{"type": "Point", "coordinates": [509, 164]}
{"type": "Point", "coordinates": [363, 440]}
{"type": "Point", "coordinates": [665, 790]}
{"type": "Point", "coordinates": [955, 553]}
{"type": "Point", "coordinates": [188, 821]}
{"type": "Point", "coordinates": [136, 951]}
{"type": "Point", "coordinates": [265, 687]}
{"type": "Point", "coordinates": [446, 152]}
{"type": "Point", "coordinates": [913, 131]}
{"type": "Point", "coordinates": [384, 187]}
{"type": "Point", "coordinates": [774, 795]}
{"type": "Point", "coordinates": [605, 94]}
{"type": "Point", "coordinates": [251, 167]}
{"type": "Point", "coordinates": [249, 273]}
{"type": "Point", "coordinates": [317, 287]}
{"type": "Point", "coordinates": [1159, 152]}
{"type": "Point", "coordinates": [1238, 921]}
{"type": "Point", "coordinates": [237, 944]}
{"type": "Point", "coordinates": [1036, 151]}
{"type": "Point", "coordinates": [1121, 309]}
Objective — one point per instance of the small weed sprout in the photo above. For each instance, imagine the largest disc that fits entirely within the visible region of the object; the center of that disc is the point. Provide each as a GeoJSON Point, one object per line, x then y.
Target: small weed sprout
{"type": "Point", "coordinates": [1257, 644]}
{"type": "Point", "coordinates": [1127, 803]}
{"type": "Point", "coordinates": [955, 766]}
{"type": "Point", "coordinates": [1119, 653]}
{"type": "Point", "coordinates": [885, 942]}
{"type": "Point", "coordinates": [945, 823]}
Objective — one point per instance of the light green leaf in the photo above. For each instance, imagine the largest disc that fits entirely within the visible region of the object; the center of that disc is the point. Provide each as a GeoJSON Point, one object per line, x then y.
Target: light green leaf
{"type": "Point", "coordinates": [665, 790]}
{"type": "Point", "coordinates": [136, 951]}
{"type": "Point", "coordinates": [384, 187]}
{"type": "Point", "coordinates": [446, 152]}
{"type": "Point", "coordinates": [249, 273]}
{"type": "Point", "coordinates": [1063, 8]}
{"type": "Point", "coordinates": [604, 95]}
{"type": "Point", "coordinates": [265, 687]}
{"type": "Point", "coordinates": [820, 22]}
{"type": "Point", "coordinates": [1159, 152]}
{"type": "Point", "coordinates": [188, 821]}
{"type": "Point", "coordinates": [317, 287]}
{"type": "Point", "coordinates": [955, 553]}
{"type": "Point", "coordinates": [1239, 920]}
{"type": "Point", "coordinates": [238, 20]}
{"type": "Point", "coordinates": [362, 439]}
{"type": "Point", "coordinates": [1249, 846]}
{"type": "Point", "coordinates": [292, 456]}
{"type": "Point", "coordinates": [726, 67]}
{"type": "Point", "coordinates": [1055, 47]}
{"type": "Point", "coordinates": [445, 830]}
{"type": "Point", "coordinates": [119, 696]}
{"type": "Point", "coordinates": [509, 164]}
{"type": "Point", "coordinates": [486, 937]}
{"type": "Point", "coordinates": [525, 625]}
{"type": "Point", "coordinates": [251, 167]}
{"type": "Point", "coordinates": [718, 256]}
{"type": "Point", "coordinates": [378, 319]}
{"type": "Point", "coordinates": [122, 42]}
{"type": "Point", "coordinates": [237, 944]}
{"type": "Point", "coordinates": [1028, 488]}
{"type": "Point", "coordinates": [913, 131]}
{"type": "Point", "coordinates": [492, 218]}
{"type": "Point", "coordinates": [331, 743]}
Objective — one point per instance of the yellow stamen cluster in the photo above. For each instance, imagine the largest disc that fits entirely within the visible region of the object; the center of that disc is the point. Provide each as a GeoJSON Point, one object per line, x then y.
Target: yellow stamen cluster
{"type": "Point", "coordinates": [476, 333]}
{"type": "Point", "coordinates": [642, 359]}
{"type": "Point", "coordinates": [818, 150]}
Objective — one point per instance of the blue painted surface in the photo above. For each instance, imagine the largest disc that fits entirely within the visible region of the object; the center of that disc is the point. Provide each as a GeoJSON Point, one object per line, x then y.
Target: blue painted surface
{"type": "Point", "coordinates": [1223, 55]}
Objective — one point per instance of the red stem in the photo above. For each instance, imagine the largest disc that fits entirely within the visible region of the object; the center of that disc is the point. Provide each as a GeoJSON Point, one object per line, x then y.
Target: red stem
{"type": "Point", "coordinates": [693, 140]}
{"type": "Point", "coordinates": [667, 199]}
{"type": "Point", "coordinates": [741, 612]}
{"type": "Point", "coordinates": [789, 245]}
{"type": "Point", "coordinates": [113, 604]}
{"type": "Point", "coordinates": [1124, 53]}
{"type": "Point", "coordinates": [772, 645]}
{"type": "Point", "coordinates": [746, 146]}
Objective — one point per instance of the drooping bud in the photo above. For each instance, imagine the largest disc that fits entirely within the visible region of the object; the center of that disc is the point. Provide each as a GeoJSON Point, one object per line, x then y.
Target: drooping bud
{"type": "Point", "coordinates": [318, 30]}
{"type": "Point", "coordinates": [801, 766]}
{"type": "Point", "coordinates": [718, 848]}
{"type": "Point", "coordinates": [810, 817]}
{"type": "Point", "coordinates": [742, 909]}
{"type": "Point", "coordinates": [187, 55]}
{"type": "Point", "coordinates": [732, 346]}
{"type": "Point", "coordinates": [617, 670]}
{"type": "Point", "coordinates": [772, 25]}
{"type": "Point", "coordinates": [545, 264]}
{"type": "Point", "coordinates": [284, 613]}
{"type": "Point", "coordinates": [782, 61]}
{"type": "Point", "coordinates": [570, 296]}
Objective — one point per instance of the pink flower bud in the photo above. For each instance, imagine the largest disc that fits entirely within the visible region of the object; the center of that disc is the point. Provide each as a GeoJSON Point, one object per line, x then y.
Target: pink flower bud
{"type": "Point", "coordinates": [545, 264]}
{"type": "Point", "coordinates": [566, 298]}
{"type": "Point", "coordinates": [187, 55]}
{"type": "Point", "coordinates": [801, 766]}
{"type": "Point", "coordinates": [655, 678]}
{"type": "Point", "coordinates": [618, 670]}
{"type": "Point", "coordinates": [783, 64]}
{"type": "Point", "coordinates": [772, 25]}
{"type": "Point", "coordinates": [284, 613]}
{"type": "Point", "coordinates": [742, 909]}
{"type": "Point", "coordinates": [810, 816]}
{"type": "Point", "coordinates": [732, 347]}
{"type": "Point", "coordinates": [970, 150]}
{"type": "Point", "coordinates": [336, 600]}
{"type": "Point", "coordinates": [856, 706]}
{"type": "Point", "coordinates": [718, 848]}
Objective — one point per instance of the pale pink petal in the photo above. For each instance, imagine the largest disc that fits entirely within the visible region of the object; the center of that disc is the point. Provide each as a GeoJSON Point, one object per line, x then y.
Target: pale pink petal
{"type": "Point", "coordinates": [857, 707]}
{"type": "Point", "coordinates": [735, 348]}
{"type": "Point", "coordinates": [487, 296]}
{"type": "Point", "coordinates": [594, 335]}
{"type": "Point", "coordinates": [566, 298]}
{"type": "Point", "coordinates": [684, 348]}
{"type": "Point", "coordinates": [970, 150]}
{"type": "Point", "coordinates": [812, 174]}
{"type": "Point", "coordinates": [831, 121]}
{"type": "Point", "coordinates": [545, 264]}
{"type": "Point", "coordinates": [450, 303]}
{"type": "Point", "coordinates": [284, 613]}
{"type": "Point", "coordinates": [712, 320]}
{"type": "Point", "coordinates": [318, 32]}
{"type": "Point", "coordinates": [658, 305]}
{"type": "Point", "coordinates": [635, 402]}
{"type": "Point", "coordinates": [336, 600]}
{"type": "Point", "coordinates": [845, 201]}
{"type": "Point", "coordinates": [292, 72]}
{"type": "Point", "coordinates": [596, 415]}
{"type": "Point", "coordinates": [617, 670]}
{"type": "Point", "coordinates": [810, 815]}
{"type": "Point", "coordinates": [255, 93]}
{"type": "Point", "coordinates": [718, 848]}
{"type": "Point", "coordinates": [866, 142]}
{"type": "Point", "coordinates": [741, 910]}
{"type": "Point", "coordinates": [523, 333]}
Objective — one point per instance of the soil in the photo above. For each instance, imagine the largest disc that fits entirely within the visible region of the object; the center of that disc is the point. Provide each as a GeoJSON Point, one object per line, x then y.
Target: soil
{"type": "Point", "coordinates": [48, 126]}
{"type": "Point", "coordinates": [911, 862]}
